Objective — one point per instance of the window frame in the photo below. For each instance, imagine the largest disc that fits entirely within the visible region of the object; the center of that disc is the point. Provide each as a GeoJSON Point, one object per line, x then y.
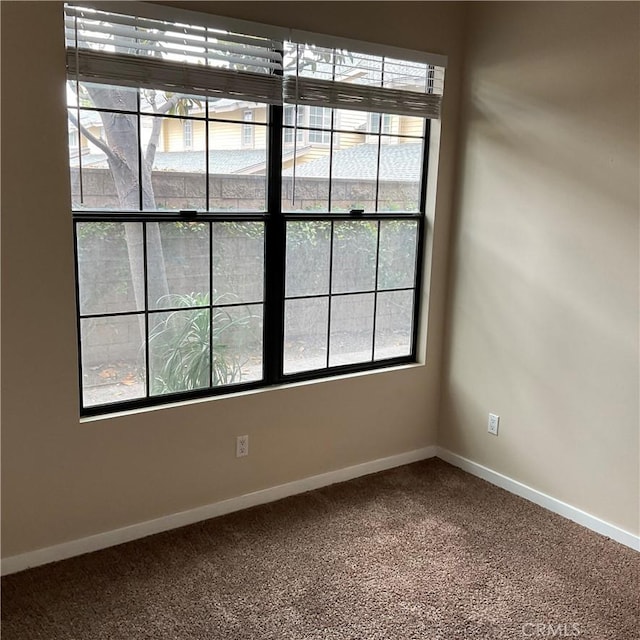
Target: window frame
{"type": "Point", "coordinates": [275, 221]}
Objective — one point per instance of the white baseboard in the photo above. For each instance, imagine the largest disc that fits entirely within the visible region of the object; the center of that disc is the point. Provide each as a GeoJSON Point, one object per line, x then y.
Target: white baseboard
{"type": "Point", "coordinates": [16, 563]}
{"type": "Point", "coordinates": [552, 504]}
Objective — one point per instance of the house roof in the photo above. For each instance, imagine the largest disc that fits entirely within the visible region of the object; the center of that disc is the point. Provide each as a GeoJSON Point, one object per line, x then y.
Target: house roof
{"type": "Point", "coordinates": [220, 161]}
{"type": "Point", "coordinates": [398, 162]}
{"type": "Point", "coordinates": [401, 162]}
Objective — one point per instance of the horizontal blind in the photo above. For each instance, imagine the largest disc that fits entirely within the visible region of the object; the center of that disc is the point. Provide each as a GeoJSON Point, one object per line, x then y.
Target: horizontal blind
{"type": "Point", "coordinates": [344, 79]}
{"type": "Point", "coordinates": [113, 48]}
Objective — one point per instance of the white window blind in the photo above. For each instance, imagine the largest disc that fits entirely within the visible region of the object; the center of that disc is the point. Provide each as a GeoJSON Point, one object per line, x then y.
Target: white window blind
{"type": "Point", "coordinates": [180, 51]}
{"type": "Point", "coordinates": [344, 79]}
{"type": "Point", "coordinates": [114, 48]}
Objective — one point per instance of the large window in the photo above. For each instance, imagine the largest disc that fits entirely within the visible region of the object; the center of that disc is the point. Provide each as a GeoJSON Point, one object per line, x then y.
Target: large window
{"type": "Point", "coordinates": [242, 215]}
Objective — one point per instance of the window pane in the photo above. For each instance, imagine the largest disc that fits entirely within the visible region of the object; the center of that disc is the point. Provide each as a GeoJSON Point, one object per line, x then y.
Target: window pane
{"type": "Point", "coordinates": [179, 350]}
{"type": "Point", "coordinates": [238, 262]}
{"type": "Point", "coordinates": [100, 187]}
{"type": "Point", "coordinates": [309, 60]}
{"type": "Point", "coordinates": [320, 118]}
{"type": "Point", "coordinates": [400, 174]}
{"type": "Point", "coordinates": [177, 264]}
{"type": "Point", "coordinates": [411, 126]}
{"type": "Point", "coordinates": [381, 123]}
{"type": "Point", "coordinates": [356, 123]}
{"type": "Point", "coordinates": [358, 68]}
{"type": "Point", "coordinates": [308, 255]}
{"type": "Point", "coordinates": [112, 359]}
{"type": "Point", "coordinates": [102, 96]}
{"type": "Point", "coordinates": [178, 176]}
{"type": "Point", "coordinates": [180, 104]}
{"type": "Point", "coordinates": [397, 259]}
{"type": "Point", "coordinates": [351, 329]}
{"type": "Point", "coordinates": [405, 75]}
{"type": "Point", "coordinates": [237, 344]}
{"type": "Point", "coordinates": [305, 334]}
{"type": "Point", "coordinates": [354, 256]}
{"type": "Point", "coordinates": [75, 151]}
{"type": "Point", "coordinates": [394, 324]}
{"type": "Point", "coordinates": [237, 173]}
{"type": "Point", "coordinates": [353, 174]}
{"type": "Point", "coordinates": [305, 177]}
{"type": "Point", "coordinates": [110, 267]}
{"type": "Point", "coordinates": [227, 109]}
{"type": "Point", "coordinates": [293, 116]}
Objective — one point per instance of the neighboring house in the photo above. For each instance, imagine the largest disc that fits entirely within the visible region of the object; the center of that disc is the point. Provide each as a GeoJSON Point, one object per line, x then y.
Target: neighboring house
{"type": "Point", "coordinates": [240, 135]}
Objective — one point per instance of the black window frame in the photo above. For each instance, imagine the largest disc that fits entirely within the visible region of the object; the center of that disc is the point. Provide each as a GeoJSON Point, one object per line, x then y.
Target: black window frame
{"type": "Point", "coordinates": [275, 221]}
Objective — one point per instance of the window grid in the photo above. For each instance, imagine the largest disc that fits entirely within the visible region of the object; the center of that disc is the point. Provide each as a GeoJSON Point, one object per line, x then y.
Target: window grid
{"type": "Point", "coordinates": [382, 142]}
{"type": "Point", "coordinates": [181, 121]}
{"type": "Point", "coordinates": [149, 312]}
{"type": "Point", "coordinates": [273, 216]}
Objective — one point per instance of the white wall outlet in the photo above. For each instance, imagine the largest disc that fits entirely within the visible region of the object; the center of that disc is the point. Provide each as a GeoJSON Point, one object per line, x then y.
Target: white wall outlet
{"type": "Point", "coordinates": [492, 425]}
{"type": "Point", "coordinates": [242, 446]}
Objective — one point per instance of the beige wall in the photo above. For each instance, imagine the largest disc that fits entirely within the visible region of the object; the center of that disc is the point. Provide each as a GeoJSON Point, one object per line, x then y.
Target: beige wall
{"type": "Point", "coordinates": [544, 293]}
{"type": "Point", "coordinates": [63, 479]}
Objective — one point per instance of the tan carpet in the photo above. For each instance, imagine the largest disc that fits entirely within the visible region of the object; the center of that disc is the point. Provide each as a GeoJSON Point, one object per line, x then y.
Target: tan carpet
{"type": "Point", "coordinates": [423, 552]}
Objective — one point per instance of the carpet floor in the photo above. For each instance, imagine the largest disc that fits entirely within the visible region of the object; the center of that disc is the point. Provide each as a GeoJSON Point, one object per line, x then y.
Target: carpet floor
{"type": "Point", "coordinates": [424, 551]}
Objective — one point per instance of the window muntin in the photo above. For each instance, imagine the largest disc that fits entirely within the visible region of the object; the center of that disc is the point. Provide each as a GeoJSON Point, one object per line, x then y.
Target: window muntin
{"type": "Point", "coordinates": [348, 301]}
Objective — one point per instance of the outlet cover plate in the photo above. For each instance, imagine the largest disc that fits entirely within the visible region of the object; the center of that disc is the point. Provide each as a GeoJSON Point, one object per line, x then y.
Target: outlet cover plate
{"type": "Point", "coordinates": [492, 425]}
{"type": "Point", "coordinates": [242, 446]}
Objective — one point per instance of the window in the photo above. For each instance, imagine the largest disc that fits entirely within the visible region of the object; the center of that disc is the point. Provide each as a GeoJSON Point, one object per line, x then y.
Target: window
{"type": "Point", "coordinates": [73, 141]}
{"type": "Point", "coordinates": [293, 119]}
{"type": "Point", "coordinates": [187, 134]}
{"type": "Point", "coordinates": [319, 118]}
{"type": "Point", "coordinates": [380, 123]}
{"type": "Point", "coordinates": [247, 130]}
{"type": "Point", "coordinates": [311, 124]}
{"type": "Point", "coordinates": [248, 261]}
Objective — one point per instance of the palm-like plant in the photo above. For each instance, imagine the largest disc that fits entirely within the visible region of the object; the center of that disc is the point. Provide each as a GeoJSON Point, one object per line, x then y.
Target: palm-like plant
{"type": "Point", "coordinates": [190, 349]}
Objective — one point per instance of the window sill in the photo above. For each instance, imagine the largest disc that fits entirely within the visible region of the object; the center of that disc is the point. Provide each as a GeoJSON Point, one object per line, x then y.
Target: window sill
{"type": "Point", "coordinates": [251, 392]}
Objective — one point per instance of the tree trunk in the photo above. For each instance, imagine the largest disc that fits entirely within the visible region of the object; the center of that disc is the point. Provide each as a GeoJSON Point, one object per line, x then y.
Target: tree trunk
{"type": "Point", "coordinates": [121, 137]}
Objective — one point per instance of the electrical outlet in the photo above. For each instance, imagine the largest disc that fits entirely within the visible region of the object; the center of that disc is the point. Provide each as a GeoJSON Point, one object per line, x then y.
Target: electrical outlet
{"type": "Point", "coordinates": [492, 426]}
{"type": "Point", "coordinates": [242, 446]}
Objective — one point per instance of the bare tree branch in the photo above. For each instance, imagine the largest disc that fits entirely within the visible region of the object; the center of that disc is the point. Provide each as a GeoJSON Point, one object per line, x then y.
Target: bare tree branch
{"type": "Point", "coordinates": [92, 138]}
{"type": "Point", "coordinates": [168, 105]}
